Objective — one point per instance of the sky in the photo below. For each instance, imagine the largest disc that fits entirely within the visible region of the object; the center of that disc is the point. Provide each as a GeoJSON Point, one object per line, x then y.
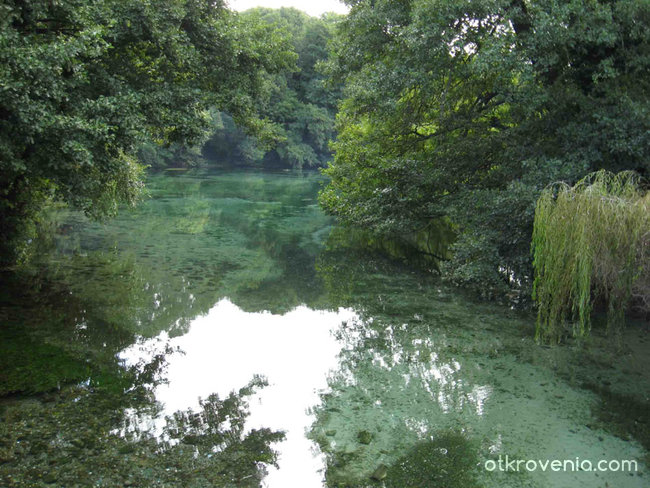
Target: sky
{"type": "Point", "coordinates": [313, 7]}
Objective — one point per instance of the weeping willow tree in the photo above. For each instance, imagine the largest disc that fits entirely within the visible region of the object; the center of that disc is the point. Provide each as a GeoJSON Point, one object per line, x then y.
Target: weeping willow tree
{"type": "Point", "coordinates": [590, 245]}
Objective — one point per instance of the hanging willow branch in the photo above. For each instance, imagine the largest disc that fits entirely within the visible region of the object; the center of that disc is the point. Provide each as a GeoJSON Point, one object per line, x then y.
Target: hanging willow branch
{"type": "Point", "coordinates": [589, 244]}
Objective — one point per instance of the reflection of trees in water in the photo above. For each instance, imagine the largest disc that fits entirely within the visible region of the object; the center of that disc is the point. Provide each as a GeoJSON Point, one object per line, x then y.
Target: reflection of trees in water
{"type": "Point", "coordinates": [68, 435]}
{"type": "Point", "coordinates": [422, 360]}
{"type": "Point", "coordinates": [93, 290]}
{"type": "Point", "coordinates": [391, 393]}
{"type": "Point", "coordinates": [67, 440]}
{"type": "Point", "coordinates": [250, 238]}
{"type": "Point", "coordinates": [58, 327]}
{"type": "Point", "coordinates": [400, 397]}
{"type": "Point", "coordinates": [223, 452]}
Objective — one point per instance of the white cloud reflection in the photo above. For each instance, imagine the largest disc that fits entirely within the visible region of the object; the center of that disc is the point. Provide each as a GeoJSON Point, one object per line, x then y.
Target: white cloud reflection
{"type": "Point", "coordinates": [224, 349]}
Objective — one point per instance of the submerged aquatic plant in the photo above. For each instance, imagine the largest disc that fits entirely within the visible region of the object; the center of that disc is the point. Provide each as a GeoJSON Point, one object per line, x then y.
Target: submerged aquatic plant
{"type": "Point", "coordinates": [590, 244]}
{"type": "Point", "coordinates": [448, 460]}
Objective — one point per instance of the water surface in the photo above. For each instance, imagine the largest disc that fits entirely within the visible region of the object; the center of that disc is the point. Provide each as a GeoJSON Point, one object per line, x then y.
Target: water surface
{"type": "Point", "coordinates": [227, 333]}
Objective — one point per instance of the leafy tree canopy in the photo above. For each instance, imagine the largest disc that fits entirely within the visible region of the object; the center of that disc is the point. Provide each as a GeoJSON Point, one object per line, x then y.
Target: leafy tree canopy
{"type": "Point", "coordinates": [302, 104]}
{"type": "Point", "coordinates": [83, 83]}
{"type": "Point", "coordinates": [466, 110]}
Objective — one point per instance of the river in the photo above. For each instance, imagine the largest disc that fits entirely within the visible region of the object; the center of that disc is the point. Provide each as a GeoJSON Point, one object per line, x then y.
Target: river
{"type": "Point", "coordinates": [227, 333]}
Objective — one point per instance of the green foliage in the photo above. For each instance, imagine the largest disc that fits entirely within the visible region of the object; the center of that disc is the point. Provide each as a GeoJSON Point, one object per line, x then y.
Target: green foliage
{"type": "Point", "coordinates": [590, 244]}
{"type": "Point", "coordinates": [300, 103]}
{"type": "Point", "coordinates": [83, 84]}
{"type": "Point", "coordinates": [468, 110]}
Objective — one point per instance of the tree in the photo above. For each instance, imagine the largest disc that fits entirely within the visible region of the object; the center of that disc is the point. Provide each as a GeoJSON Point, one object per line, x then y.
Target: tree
{"type": "Point", "coordinates": [300, 102]}
{"type": "Point", "coordinates": [591, 244]}
{"type": "Point", "coordinates": [83, 84]}
{"type": "Point", "coordinates": [467, 110]}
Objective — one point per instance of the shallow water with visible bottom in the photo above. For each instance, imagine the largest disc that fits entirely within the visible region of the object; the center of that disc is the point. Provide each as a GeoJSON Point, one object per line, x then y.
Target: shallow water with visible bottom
{"type": "Point", "coordinates": [227, 333]}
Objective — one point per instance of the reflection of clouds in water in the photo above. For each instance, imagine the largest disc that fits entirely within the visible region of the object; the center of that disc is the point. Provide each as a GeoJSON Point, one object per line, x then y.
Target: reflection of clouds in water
{"type": "Point", "coordinates": [225, 348]}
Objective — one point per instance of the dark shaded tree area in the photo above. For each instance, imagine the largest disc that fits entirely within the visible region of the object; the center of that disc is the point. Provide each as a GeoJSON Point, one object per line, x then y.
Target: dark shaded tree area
{"type": "Point", "coordinates": [84, 84]}
{"type": "Point", "coordinates": [465, 111]}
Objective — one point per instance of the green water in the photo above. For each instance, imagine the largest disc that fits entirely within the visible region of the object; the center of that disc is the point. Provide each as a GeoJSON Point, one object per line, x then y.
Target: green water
{"type": "Point", "coordinates": [227, 333]}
